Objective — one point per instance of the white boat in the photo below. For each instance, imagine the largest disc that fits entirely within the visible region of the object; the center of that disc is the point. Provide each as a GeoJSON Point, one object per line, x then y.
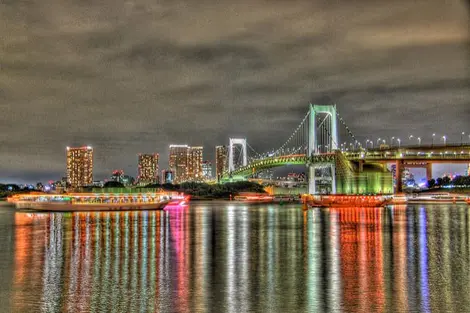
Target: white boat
{"type": "Point", "coordinates": [444, 198]}
{"type": "Point", "coordinates": [69, 202]}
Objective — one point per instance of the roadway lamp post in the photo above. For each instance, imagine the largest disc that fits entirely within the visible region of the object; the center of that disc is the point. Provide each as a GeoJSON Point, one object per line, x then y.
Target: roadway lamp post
{"type": "Point", "coordinates": [461, 138]}
{"type": "Point", "coordinates": [411, 137]}
{"type": "Point", "coordinates": [391, 142]}
{"type": "Point", "coordinates": [378, 141]}
{"type": "Point", "coordinates": [419, 141]}
{"type": "Point", "coordinates": [433, 135]}
{"type": "Point", "coordinates": [399, 142]}
{"type": "Point", "coordinates": [445, 140]}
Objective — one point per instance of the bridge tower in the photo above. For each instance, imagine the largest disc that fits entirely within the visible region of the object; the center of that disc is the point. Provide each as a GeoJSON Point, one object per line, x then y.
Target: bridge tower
{"type": "Point", "coordinates": [322, 139]}
{"type": "Point", "coordinates": [232, 143]}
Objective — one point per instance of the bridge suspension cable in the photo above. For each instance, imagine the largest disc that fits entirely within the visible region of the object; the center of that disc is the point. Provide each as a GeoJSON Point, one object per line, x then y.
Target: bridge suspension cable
{"type": "Point", "coordinates": [297, 141]}
{"type": "Point", "coordinates": [343, 123]}
{"type": "Point", "coordinates": [257, 155]}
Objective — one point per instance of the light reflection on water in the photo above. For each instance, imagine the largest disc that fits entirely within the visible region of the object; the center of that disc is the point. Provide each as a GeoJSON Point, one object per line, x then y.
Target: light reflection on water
{"type": "Point", "coordinates": [238, 258]}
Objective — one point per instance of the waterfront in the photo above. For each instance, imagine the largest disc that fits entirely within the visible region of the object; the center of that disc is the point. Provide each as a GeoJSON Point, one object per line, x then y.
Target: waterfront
{"type": "Point", "coordinates": [229, 257]}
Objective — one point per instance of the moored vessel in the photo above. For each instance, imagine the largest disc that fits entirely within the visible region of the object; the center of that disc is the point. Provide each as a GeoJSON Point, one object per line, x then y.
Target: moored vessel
{"type": "Point", "coordinates": [346, 200]}
{"type": "Point", "coordinates": [101, 201]}
{"type": "Point", "coordinates": [440, 198]}
{"type": "Point", "coordinates": [254, 197]}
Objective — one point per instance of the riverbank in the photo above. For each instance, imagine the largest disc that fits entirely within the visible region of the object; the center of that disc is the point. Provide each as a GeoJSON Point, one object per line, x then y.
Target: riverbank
{"type": "Point", "coordinates": [460, 191]}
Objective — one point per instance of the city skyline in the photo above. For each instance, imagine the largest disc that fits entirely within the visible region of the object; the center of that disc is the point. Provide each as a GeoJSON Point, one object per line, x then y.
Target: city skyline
{"type": "Point", "coordinates": [439, 169]}
{"type": "Point", "coordinates": [134, 78]}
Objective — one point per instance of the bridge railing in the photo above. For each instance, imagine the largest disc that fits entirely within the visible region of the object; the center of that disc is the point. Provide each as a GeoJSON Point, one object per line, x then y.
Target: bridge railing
{"type": "Point", "coordinates": [463, 155]}
{"type": "Point", "coordinates": [450, 146]}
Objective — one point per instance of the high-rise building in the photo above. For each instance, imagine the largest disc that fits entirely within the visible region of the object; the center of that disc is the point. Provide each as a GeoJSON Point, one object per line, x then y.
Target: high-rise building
{"type": "Point", "coordinates": [221, 159]}
{"type": "Point", "coordinates": [186, 163]}
{"type": "Point", "coordinates": [79, 166]}
{"type": "Point", "coordinates": [194, 172]}
{"type": "Point", "coordinates": [207, 170]}
{"type": "Point", "coordinates": [178, 162]}
{"type": "Point", "coordinates": [148, 169]}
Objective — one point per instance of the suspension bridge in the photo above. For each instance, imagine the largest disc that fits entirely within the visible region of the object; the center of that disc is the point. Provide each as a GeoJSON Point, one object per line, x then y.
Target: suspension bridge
{"type": "Point", "coordinates": [339, 168]}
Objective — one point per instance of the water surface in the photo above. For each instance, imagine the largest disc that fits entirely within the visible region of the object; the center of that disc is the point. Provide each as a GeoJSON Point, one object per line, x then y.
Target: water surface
{"type": "Point", "coordinates": [228, 257]}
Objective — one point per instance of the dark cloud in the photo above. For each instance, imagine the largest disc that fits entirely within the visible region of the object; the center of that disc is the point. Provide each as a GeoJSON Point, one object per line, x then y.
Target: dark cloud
{"type": "Point", "coordinates": [136, 76]}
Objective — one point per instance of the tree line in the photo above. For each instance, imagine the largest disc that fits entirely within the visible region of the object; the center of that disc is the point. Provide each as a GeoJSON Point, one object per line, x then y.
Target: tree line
{"type": "Point", "coordinates": [457, 181]}
{"type": "Point", "coordinates": [211, 190]}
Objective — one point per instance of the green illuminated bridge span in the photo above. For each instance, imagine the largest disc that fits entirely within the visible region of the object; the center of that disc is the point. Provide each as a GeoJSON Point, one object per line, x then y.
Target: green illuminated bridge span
{"type": "Point", "coordinates": [341, 168]}
{"type": "Point", "coordinates": [435, 154]}
{"type": "Point", "coordinates": [361, 161]}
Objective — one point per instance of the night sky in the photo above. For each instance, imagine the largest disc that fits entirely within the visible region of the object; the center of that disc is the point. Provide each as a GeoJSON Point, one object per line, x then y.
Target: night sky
{"type": "Point", "coordinates": [135, 76]}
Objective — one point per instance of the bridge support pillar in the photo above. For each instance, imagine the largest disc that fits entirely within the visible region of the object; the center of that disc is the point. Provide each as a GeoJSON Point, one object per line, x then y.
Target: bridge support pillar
{"type": "Point", "coordinates": [232, 143]}
{"type": "Point", "coordinates": [428, 171]}
{"type": "Point", "coordinates": [330, 176]}
{"type": "Point", "coordinates": [330, 110]}
{"type": "Point", "coordinates": [311, 180]}
{"type": "Point", "coordinates": [399, 176]}
{"type": "Point", "coordinates": [333, 178]}
{"type": "Point", "coordinates": [361, 166]}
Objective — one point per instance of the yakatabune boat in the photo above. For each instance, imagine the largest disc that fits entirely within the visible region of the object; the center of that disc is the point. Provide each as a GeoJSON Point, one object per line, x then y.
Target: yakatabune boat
{"type": "Point", "coordinates": [97, 201]}
{"type": "Point", "coordinates": [346, 200]}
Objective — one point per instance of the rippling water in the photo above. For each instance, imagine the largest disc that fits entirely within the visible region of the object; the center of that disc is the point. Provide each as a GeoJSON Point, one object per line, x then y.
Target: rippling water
{"type": "Point", "coordinates": [226, 257]}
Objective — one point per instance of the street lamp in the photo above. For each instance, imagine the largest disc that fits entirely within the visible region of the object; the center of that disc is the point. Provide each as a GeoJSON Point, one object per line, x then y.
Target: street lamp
{"type": "Point", "coordinates": [433, 135]}
{"type": "Point", "coordinates": [461, 138]}
{"type": "Point", "coordinates": [399, 142]}
{"type": "Point", "coordinates": [419, 141]}
{"type": "Point", "coordinates": [378, 140]}
{"type": "Point", "coordinates": [411, 137]}
{"type": "Point", "coordinates": [445, 140]}
{"type": "Point", "coordinates": [391, 142]}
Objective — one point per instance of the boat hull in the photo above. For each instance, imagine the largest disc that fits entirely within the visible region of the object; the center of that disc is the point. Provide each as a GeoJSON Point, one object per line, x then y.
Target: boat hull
{"type": "Point", "coordinates": [254, 201]}
{"type": "Point", "coordinates": [68, 207]}
{"type": "Point", "coordinates": [434, 201]}
{"type": "Point", "coordinates": [345, 201]}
